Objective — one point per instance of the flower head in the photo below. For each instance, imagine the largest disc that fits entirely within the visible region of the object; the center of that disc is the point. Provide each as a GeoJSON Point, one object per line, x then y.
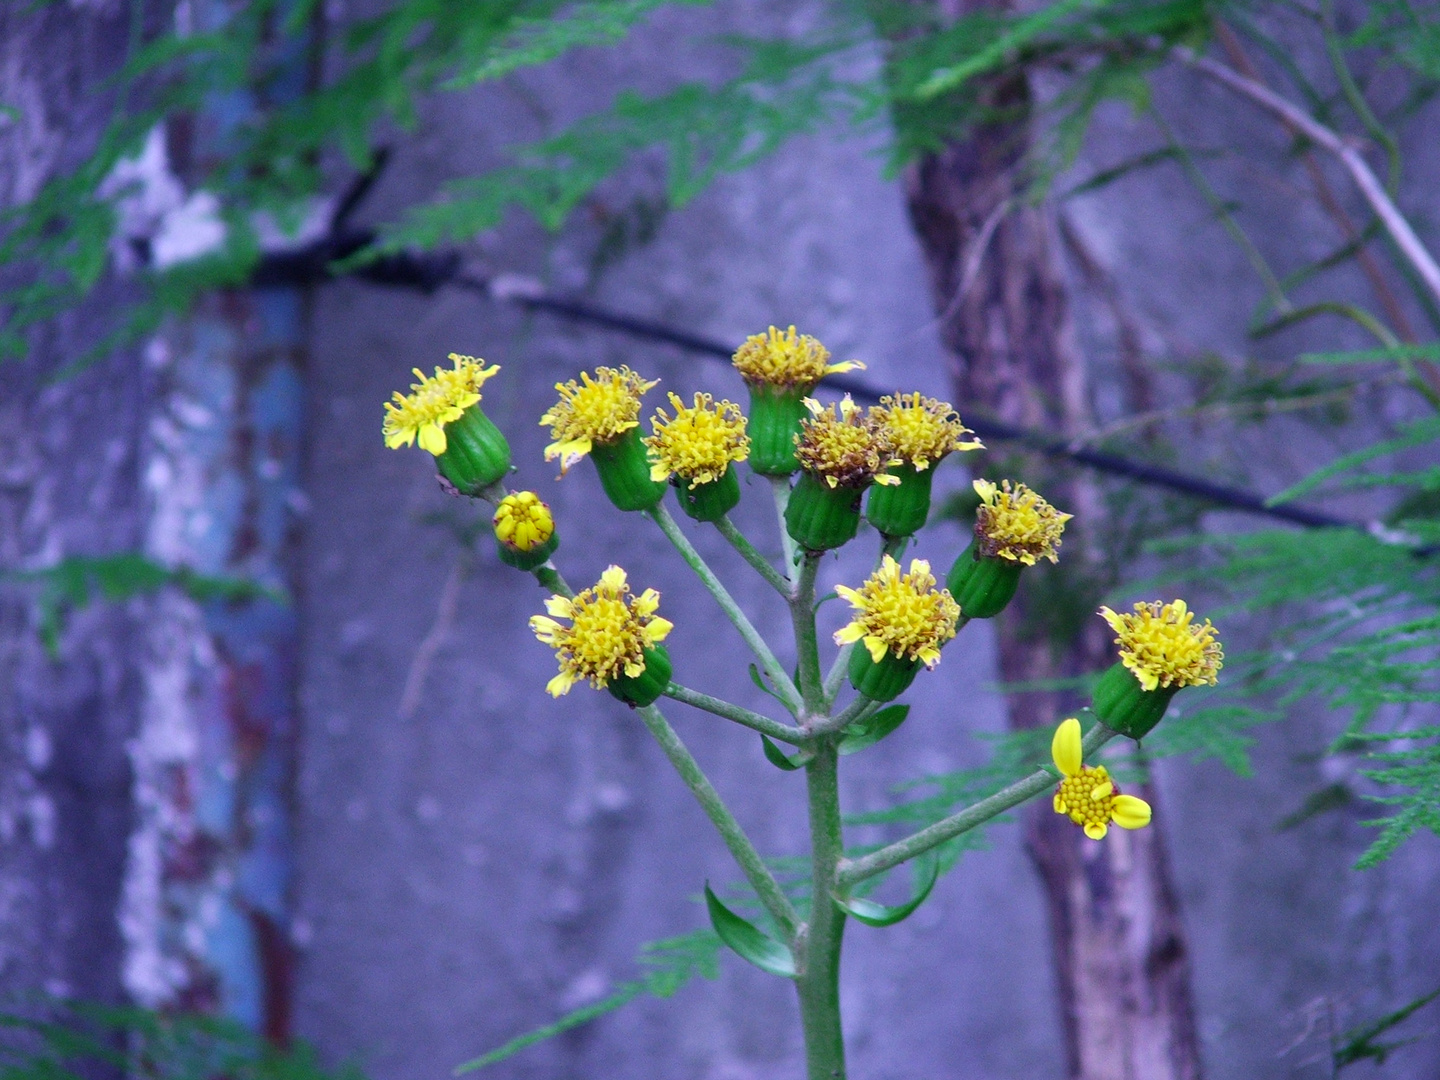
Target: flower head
{"type": "Point", "coordinates": [1087, 795]}
{"type": "Point", "coordinates": [433, 402]}
{"type": "Point", "coordinates": [1015, 523]}
{"type": "Point", "coordinates": [905, 616]}
{"type": "Point", "coordinates": [844, 446]}
{"type": "Point", "coordinates": [522, 522]}
{"type": "Point", "coordinates": [921, 429]}
{"type": "Point", "coordinates": [699, 444]}
{"type": "Point", "coordinates": [789, 360]}
{"type": "Point", "coordinates": [1163, 646]}
{"type": "Point", "coordinates": [598, 409]}
{"type": "Point", "coordinates": [609, 631]}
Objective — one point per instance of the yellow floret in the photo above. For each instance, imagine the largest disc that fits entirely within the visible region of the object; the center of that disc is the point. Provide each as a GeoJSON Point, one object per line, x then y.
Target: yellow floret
{"type": "Point", "coordinates": [609, 631]}
{"type": "Point", "coordinates": [1015, 523]}
{"type": "Point", "coordinates": [844, 446]}
{"type": "Point", "coordinates": [433, 402]}
{"type": "Point", "coordinates": [522, 522]}
{"type": "Point", "coordinates": [796, 361]}
{"type": "Point", "coordinates": [699, 444]}
{"type": "Point", "coordinates": [922, 430]}
{"type": "Point", "coordinates": [1163, 646]}
{"type": "Point", "coordinates": [905, 616]}
{"type": "Point", "coordinates": [593, 410]}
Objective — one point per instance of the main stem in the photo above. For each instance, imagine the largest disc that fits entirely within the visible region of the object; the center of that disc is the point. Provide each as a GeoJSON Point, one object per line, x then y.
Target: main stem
{"type": "Point", "coordinates": [819, 979]}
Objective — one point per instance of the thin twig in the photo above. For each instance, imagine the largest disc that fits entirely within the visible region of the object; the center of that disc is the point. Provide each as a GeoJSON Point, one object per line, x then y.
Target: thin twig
{"type": "Point", "coordinates": [738, 713]}
{"type": "Point", "coordinates": [753, 557]}
{"type": "Point", "coordinates": [430, 644]}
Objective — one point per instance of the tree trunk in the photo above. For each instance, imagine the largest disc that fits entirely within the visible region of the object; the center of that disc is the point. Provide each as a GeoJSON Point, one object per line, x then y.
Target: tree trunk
{"type": "Point", "coordinates": [1119, 948]}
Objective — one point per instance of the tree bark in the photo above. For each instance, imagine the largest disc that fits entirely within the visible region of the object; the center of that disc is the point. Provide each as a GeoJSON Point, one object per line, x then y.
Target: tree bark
{"type": "Point", "coordinates": [1119, 949]}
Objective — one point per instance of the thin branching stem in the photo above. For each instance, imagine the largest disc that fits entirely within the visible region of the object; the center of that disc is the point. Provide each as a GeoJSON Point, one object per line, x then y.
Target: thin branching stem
{"type": "Point", "coordinates": [862, 708]}
{"type": "Point", "coordinates": [780, 487]}
{"type": "Point", "coordinates": [802, 614]}
{"type": "Point", "coordinates": [738, 713]}
{"type": "Point", "coordinates": [852, 871]}
{"type": "Point", "coordinates": [836, 675]}
{"type": "Point", "coordinates": [750, 860]}
{"type": "Point", "coordinates": [753, 557]}
{"type": "Point", "coordinates": [777, 674]}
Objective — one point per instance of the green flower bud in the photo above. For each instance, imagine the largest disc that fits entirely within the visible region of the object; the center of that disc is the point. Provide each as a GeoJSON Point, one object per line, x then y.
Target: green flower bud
{"type": "Point", "coordinates": [901, 509]}
{"type": "Point", "coordinates": [476, 454]}
{"type": "Point", "coordinates": [712, 501]}
{"type": "Point", "coordinates": [1123, 705]}
{"type": "Point", "coordinates": [773, 423]}
{"type": "Point", "coordinates": [982, 585]}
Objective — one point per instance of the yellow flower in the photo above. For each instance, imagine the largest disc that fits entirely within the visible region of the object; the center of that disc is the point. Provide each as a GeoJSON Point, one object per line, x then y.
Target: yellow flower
{"type": "Point", "coordinates": [598, 409]}
{"type": "Point", "coordinates": [433, 402]}
{"type": "Point", "coordinates": [1017, 524]}
{"type": "Point", "coordinates": [1161, 644]}
{"type": "Point", "coordinates": [1087, 795]}
{"type": "Point", "coordinates": [522, 522]}
{"type": "Point", "coordinates": [844, 446]}
{"type": "Point", "coordinates": [700, 443]}
{"type": "Point", "coordinates": [796, 361]}
{"type": "Point", "coordinates": [922, 430]}
{"type": "Point", "coordinates": [904, 616]}
{"type": "Point", "coordinates": [609, 631]}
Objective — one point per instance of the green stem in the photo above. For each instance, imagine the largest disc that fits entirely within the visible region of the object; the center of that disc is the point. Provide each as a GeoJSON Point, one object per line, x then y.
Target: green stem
{"type": "Point", "coordinates": [819, 979]}
{"type": "Point", "coordinates": [859, 709]}
{"type": "Point", "coordinates": [807, 649]}
{"type": "Point", "coordinates": [756, 872]}
{"type": "Point", "coordinates": [741, 715]}
{"type": "Point", "coordinates": [835, 677]}
{"type": "Point", "coordinates": [752, 637]}
{"type": "Point", "coordinates": [550, 578]}
{"type": "Point", "coordinates": [856, 870]}
{"type": "Point", "coordinates": [780, 487]}
{"type": "Point", "coordinates": [754, 558]}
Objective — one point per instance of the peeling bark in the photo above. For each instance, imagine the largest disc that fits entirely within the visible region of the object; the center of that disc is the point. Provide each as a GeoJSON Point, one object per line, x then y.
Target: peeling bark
{"type": "Point", "coordinates": [1118, 943]}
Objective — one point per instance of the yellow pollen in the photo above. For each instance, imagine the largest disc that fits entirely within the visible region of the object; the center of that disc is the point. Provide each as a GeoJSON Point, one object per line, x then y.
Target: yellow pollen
{"type": "Point", "coordinates": [433, 402]}
{"type": "Point", "coordinates": [790, 360]}
{"type": "Point", "coordinates": [522, 522]}
{"type": "Point", "coordinates": [699, 444]}
{"type": "Point", "coordinates": [844, 446]}
{"type": "Point", "coordinates": [1163, 646]}
{"type": "Point", "coordinates": [593, 410]}
{"type": "Point", "coordinates": [905, 616]}
{"type": "Point", "coordinates": [1015, 523]}
{"type": "Point", "coordinates": [922, 430]}
{"type": "Point", "coordinates": [609, 631]}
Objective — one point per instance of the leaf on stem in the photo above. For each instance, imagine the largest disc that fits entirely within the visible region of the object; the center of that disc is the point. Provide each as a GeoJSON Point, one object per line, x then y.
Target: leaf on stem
{"type": "Point", "coordinates": [780, 760]}
{"type": "Point", "coordinates": [748, 941]}
{"type": "Point", "coordinates": [873, 913]}
{"type": "Point", "coordinates": [869, 732]}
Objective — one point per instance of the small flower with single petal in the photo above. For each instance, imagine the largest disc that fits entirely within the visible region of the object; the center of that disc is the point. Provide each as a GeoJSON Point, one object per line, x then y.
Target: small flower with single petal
{"type": "Point", "coordinates": [699, 443]}
{"type": "Point", "coordinates": [433, 402]}
{"type": "Point", "coordinates": [787, 360]}
{"type": "Point", "coordinates": [1015, 523]}
{"type": "Point", "coordinates": [609, 632]}
{"type": "Point", "coordinates": [596, 409]}
{"type": "Point", "coordinates": [1164, 647]}
{"type": "Point", "coordinates": [902, 615]}
{"type": "Point", "coordinates": [1087, 795]}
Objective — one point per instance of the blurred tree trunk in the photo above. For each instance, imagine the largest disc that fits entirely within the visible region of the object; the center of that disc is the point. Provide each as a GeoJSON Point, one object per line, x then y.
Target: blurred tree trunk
{"type": "Point", "coordinates": [69, 459]}
{"type": "Point", "coordinates": [1120, 957]}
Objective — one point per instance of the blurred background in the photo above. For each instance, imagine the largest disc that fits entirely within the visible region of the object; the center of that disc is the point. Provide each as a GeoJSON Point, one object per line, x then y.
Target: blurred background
{"type": "Point", "coordinates": [276, 747]}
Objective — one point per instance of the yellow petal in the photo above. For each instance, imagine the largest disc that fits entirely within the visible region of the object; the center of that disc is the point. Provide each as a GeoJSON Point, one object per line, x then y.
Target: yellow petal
{"type": "Point", "coordinates": [1096, 831]}
{"type": "Point", "coordinates": [887, 479]}
{"type": "Point", "coordinates": [844, 365]}
{"type": "Point", "coordinates": [613, 578]}
{"type": "Point", "coordinates": [1065, 747]}
{"type": "Point", "coordinates": [986, 490]}
{"type": "Point", "coordinates": [432, 438]}
{"type": "Point", "coordinates": [657, 629]}
{"type": "Point", "coordinates": [559, 606]}
{"type": "Point", "coordinates": [646, 602]}
{"type": "Point", "coordinates": [875, 647]}
{"type": "Point", "coordinates": [659, 473]}
{"type": "Point", "coordinates": [1058, 803]}
{"type": "Point", "coordinates": [1130, 812]}
{"type": "Point", "coordinates": [855, 597]}
{"type": "Point", "coordinates": [849, 634]}
{"type": "Point", "coordinates": [560, 684]}
{"type": "Point", "coordinates": [1102, 791]}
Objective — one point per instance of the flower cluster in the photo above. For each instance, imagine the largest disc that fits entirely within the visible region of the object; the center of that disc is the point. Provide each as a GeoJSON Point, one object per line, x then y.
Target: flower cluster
{"type": "Point", "coordinates": [699, 443]}
{"type": "Point", "coordinates": [1164, 647]}
{"type": "Point", "coordinates": [843, 446]}
{"type": "Point", "coordinates": [1015, 523]}
{"type": "Point", "coordinates": [902, 615]}
{"type": "Point", "coordinates": [609, 631]}
{"type": "Point", "coordinates": [433, 402]}
{"type": "Point", "coordinates": [1087, 795]}
{"type": "Point", "coordinates": [786, 359]}
{"type": "Point", "coordinates": [920, 430]}
{"type": "Point", "coordinates": [594, 410]}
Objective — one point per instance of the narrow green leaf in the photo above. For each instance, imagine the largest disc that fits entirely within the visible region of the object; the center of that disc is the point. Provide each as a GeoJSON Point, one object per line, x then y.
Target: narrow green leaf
{"type": "Point", "coordinates": [873, 730]}
{"type": "Point", "coordinates": [747, 940]}
{"type": "Point", "coordinates": [872, 913]}
{"type": "Point", "coordinates": [778, 758]}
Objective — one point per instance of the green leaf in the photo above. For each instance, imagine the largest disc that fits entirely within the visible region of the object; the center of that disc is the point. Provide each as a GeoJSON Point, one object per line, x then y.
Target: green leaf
{"type": "Point", "coordinates": [778, 758]}
{"type": "Point", "coordinates": [998, 51]}
{"type": "Point", "coordinates": [1358, 1044]}
{"type": "Point", "coordinates": [871, 731]}
{"type": "Point", "coordinates": [872, 913]}
{"type": "Point", "coordinates": [747, 940]}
